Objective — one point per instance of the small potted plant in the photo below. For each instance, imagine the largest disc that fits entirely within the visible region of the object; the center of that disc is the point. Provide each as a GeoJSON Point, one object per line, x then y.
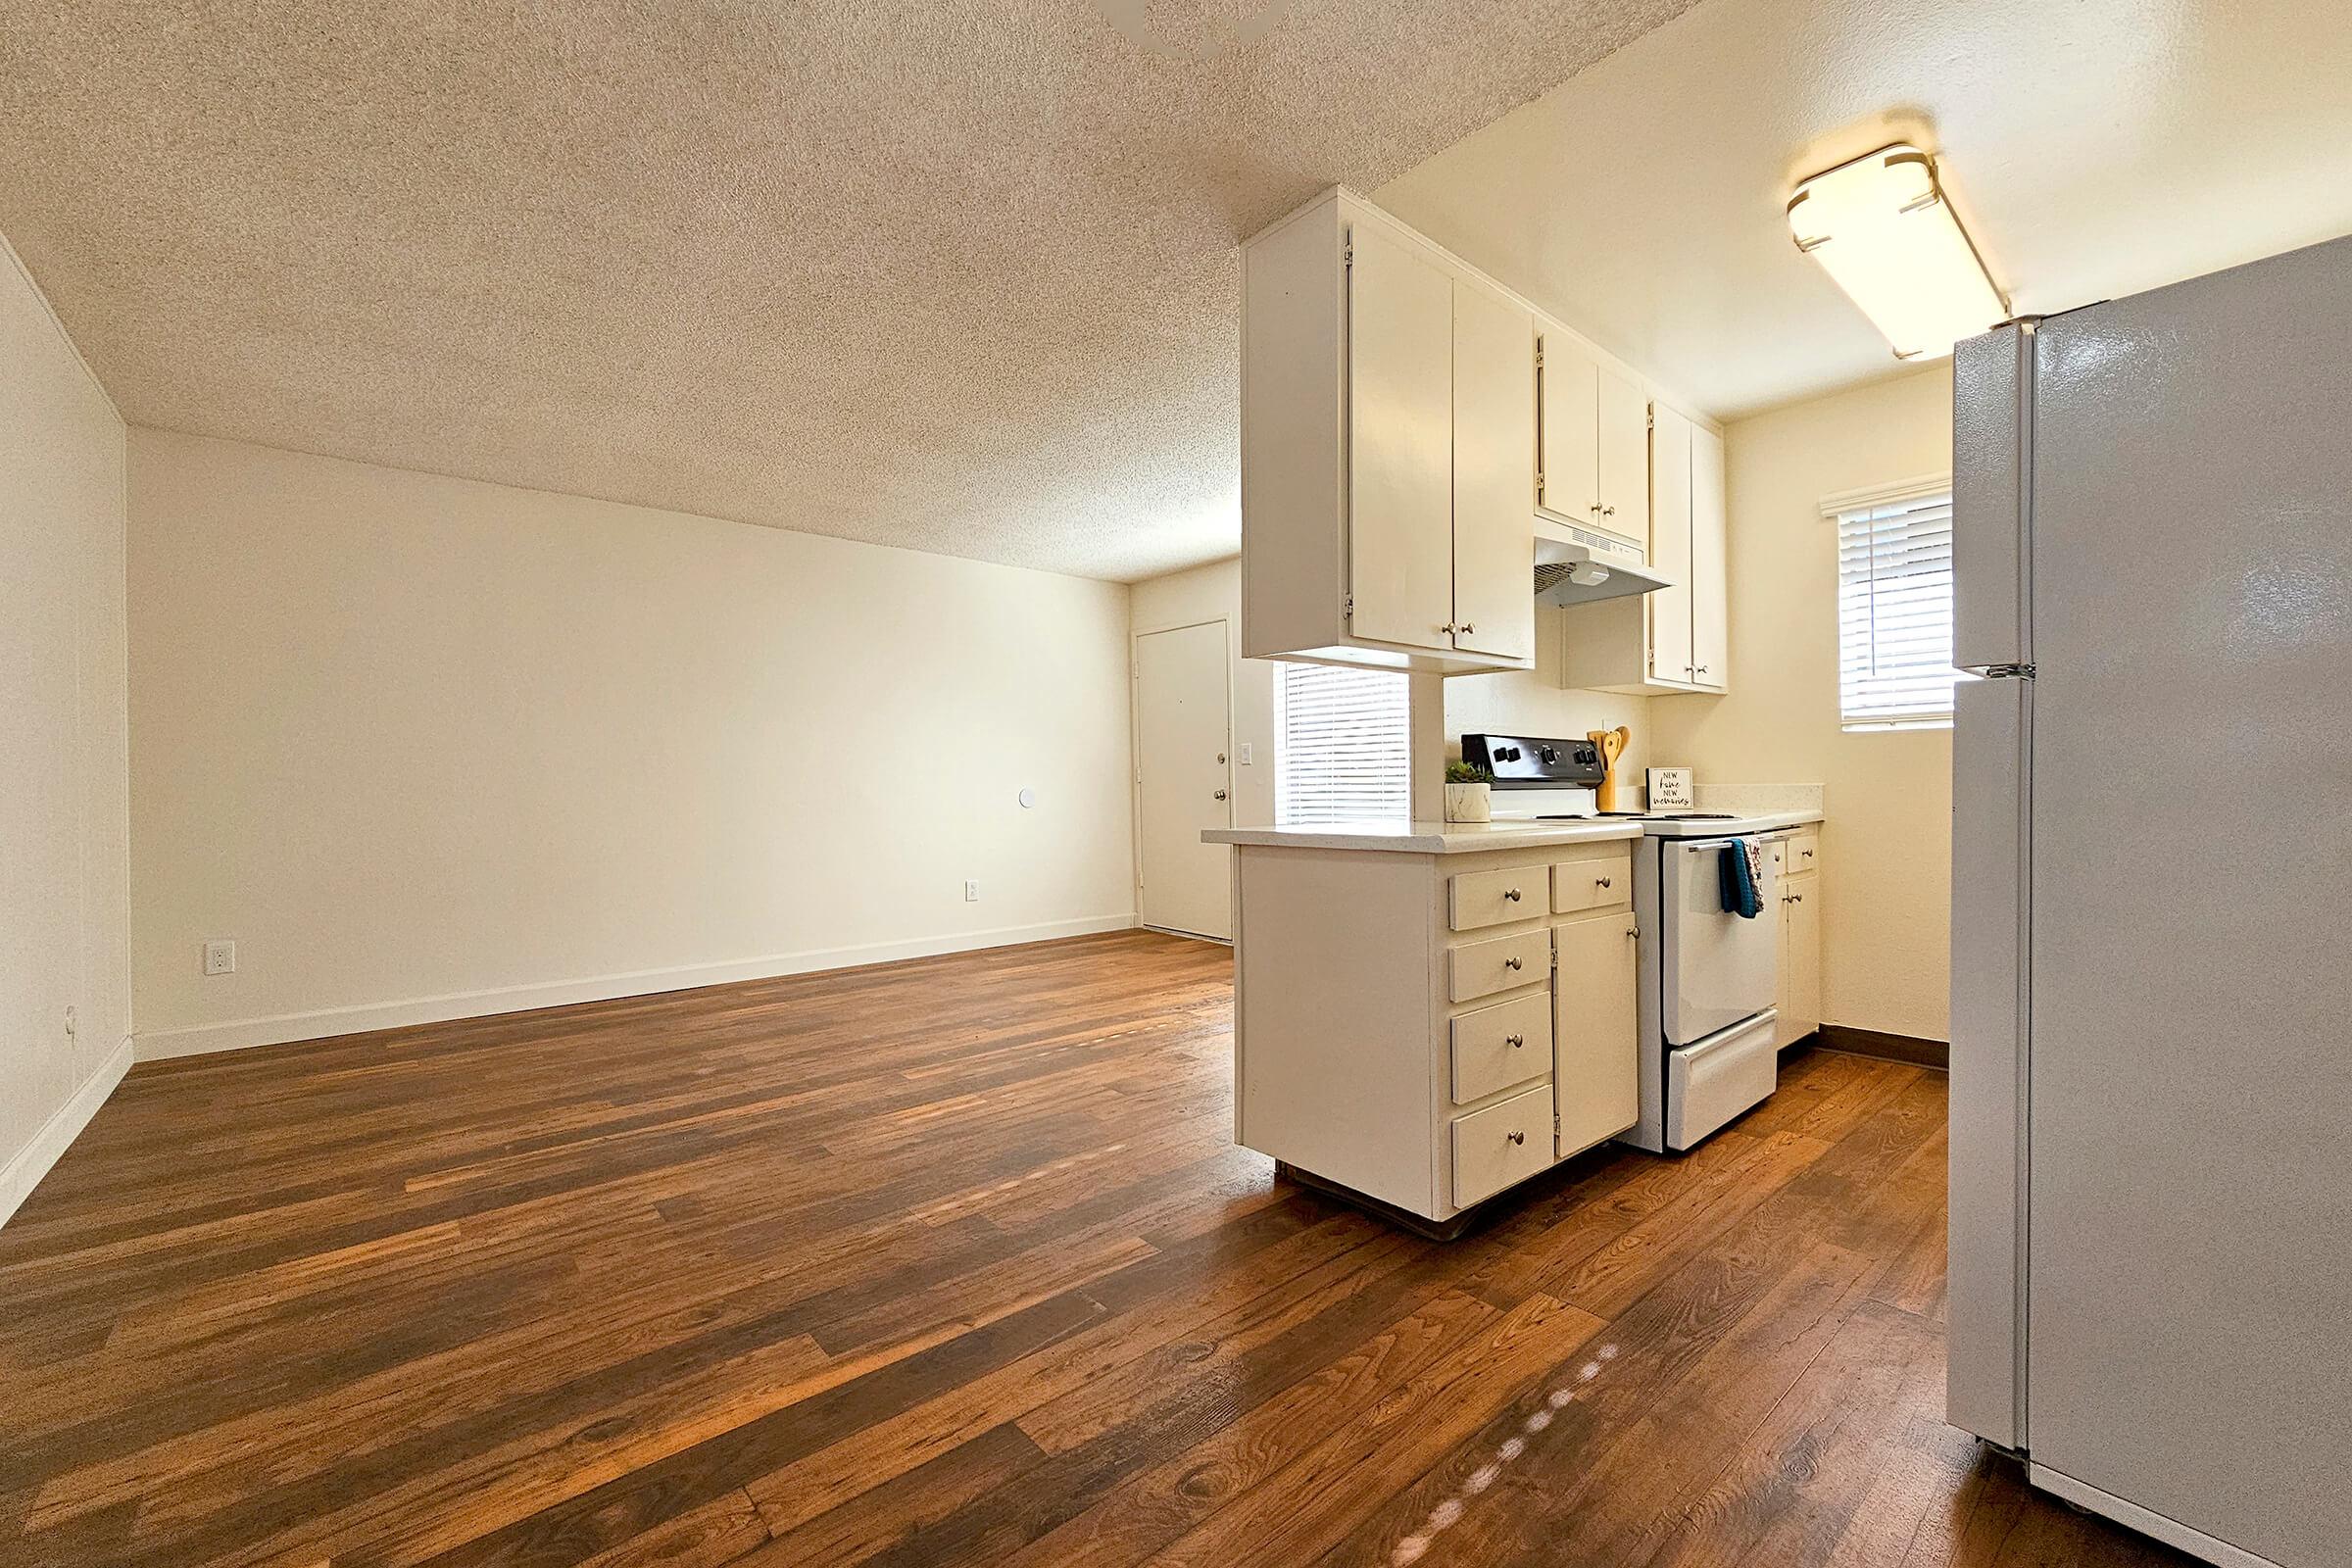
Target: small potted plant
{"type": "Point", "coordinates": [1468, 795]}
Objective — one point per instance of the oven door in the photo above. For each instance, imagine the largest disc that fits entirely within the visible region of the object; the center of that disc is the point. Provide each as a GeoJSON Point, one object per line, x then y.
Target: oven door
{"type": "Point", "coordinates": [1714, 968]}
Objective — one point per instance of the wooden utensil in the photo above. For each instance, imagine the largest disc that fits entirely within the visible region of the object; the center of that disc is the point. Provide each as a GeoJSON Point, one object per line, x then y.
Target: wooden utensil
{"type": "Point", "coordinates": [1612, 746]}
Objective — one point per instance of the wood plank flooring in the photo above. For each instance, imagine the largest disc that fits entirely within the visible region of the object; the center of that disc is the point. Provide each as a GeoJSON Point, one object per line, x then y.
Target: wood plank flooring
{"type": "Point", "coordinates": [954, 1261]}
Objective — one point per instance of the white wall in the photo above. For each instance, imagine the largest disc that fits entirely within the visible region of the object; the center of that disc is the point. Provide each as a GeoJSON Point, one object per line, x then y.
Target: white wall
{"type": "Point", "coordinates": [1888, 842]}
{"type": "Point", "coordinates": [64, 849]}
{"type": "Point", "coordinates": [428, 748]}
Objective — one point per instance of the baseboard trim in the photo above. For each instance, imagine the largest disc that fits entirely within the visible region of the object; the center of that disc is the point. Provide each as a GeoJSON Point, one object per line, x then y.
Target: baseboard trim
{"type": "Point", "coordinates": [1887, 1048]}
{"type": "Point", "coordinates": [26, 1167]}
{"type": "Point", "coordinates": [204, 1039]}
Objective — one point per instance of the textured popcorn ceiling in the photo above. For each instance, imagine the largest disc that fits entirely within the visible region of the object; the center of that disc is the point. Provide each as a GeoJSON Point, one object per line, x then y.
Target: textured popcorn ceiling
{"type": "Point", "coordinates": [960, 276]}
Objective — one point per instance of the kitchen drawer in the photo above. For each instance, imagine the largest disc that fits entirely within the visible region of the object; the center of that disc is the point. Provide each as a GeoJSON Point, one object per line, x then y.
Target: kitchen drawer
{"type": "Point", "coordinates": [1592, 884]}
{"type": "Point", "coordinates": [1491, 898]}
{"type": "Point", "coordinates": [1502, 1144]}
{"type": "Point", "coordinates": [1497, 1047]}
{"type": "Point", "coordinates": [1498, 963]}
{"type": "Point", "coordinates": [1797, 853]}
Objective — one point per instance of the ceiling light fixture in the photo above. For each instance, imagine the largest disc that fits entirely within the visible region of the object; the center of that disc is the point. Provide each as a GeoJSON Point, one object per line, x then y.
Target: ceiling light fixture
{"type": "Point", "coordinates": [1886, 234]}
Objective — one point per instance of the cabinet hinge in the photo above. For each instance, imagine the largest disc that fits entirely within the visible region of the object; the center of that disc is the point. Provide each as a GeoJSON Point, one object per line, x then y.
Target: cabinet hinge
{"type": "Point", "coordinates": [1347, 247]}
{"type": "Point", "coordinates": [1539, 354]}
{"type": "Point", "coordinates": [1347, 607]}
{"type": "Point", "coordinates": [1539, 484]}
{"type": "Point", "coordinates": [1650, 420]}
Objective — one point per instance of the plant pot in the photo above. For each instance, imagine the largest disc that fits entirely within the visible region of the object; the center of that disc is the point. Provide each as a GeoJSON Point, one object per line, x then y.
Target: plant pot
{"type": "Point", "coordinates": [1469, 802]}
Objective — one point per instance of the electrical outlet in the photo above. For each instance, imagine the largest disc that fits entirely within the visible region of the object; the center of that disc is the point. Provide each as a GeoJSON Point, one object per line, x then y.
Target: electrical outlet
{"type": "Point", "coordinates": [69, 1026]}
{"type": "Point", "coordinates": [971, 890]}
{"type": "Point", "coordinates": [219, 958]}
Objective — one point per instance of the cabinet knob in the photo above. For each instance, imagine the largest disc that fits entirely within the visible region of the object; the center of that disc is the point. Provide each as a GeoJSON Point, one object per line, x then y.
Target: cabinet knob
{"type": "Point", "coordinates": [1467, 629]}
{"type": "Point", "coordinates": [1511, 963]}
{"type": "Point", "coordinates": [1702, 669]}
{"type": "Point", "coordinates": [1511, 894]}
{"type": "Point", "coordinates": [1514, 1041]}
{"type": "Point", "coordinates": [1797, 897]}
{"type": "Point", "coordinates": [1518, 1138]}
{"type": "Point", "coordinates": [1609, 511]}
{"type": "Point", "coordinates": [1600, 881]}
{"type": "Point", "coordinates": [1808, 855]}
{"type": "Point", "coordinates": [1447, 628]}
{"type": "Point", "coordinates": [1595, 506]}
{"type": "Point", "coordinates": [1220, 795]}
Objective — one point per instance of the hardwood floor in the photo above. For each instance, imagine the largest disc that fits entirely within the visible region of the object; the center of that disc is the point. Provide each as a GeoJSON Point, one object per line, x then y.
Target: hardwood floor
{"type": "Point", "coordinates": [953, 1261]}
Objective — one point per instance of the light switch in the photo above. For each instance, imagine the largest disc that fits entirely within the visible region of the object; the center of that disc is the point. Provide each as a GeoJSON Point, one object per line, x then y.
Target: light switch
{"type": "Point", "coordinates": [1244, 754]}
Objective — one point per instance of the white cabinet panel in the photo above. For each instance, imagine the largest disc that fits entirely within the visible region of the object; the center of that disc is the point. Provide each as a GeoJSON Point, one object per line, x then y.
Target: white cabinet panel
{"type": "Point", "coordinates": [1400, 454]}
{"type": "Point", "coordinates": [1494, 431]}
{"type": "Point", "coordinates": [1569, 457]}
{"type": "Point", "coordinates": [1595, 1070]}
{"type": "Point", "coordinates": [1623, 455]}
{"type": "Point", "coordinates": [1670, 607]}
{"type": "Point", "coordinates": [1710, 576]}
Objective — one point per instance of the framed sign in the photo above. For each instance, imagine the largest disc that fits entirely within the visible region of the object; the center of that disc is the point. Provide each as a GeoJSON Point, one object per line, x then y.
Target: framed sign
{"type": "Point", "coordinates": [1670, 790]}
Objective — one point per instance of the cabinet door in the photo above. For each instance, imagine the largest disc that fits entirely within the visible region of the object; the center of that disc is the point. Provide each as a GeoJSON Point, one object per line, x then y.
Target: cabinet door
{"type": "Point", "coordinates": [1670, 546]}
{"type": "Point", "coordinates": [1400, 446]}
{"type": "Point", "coordinates": [1801, 976]}
{"type": "Point", "coordinates": [1785, 1031]}
{"type": "Point", "coordinates": [1569, 458]}
{"type": "Point", "coordinates": [1494, 431]}
{"type": "Point", "coordinates": [1624, 454]}
{"type": "Point", "coordinates": [1710, 588]}
{"type": "Point", "coordinates": [1595, 1070]}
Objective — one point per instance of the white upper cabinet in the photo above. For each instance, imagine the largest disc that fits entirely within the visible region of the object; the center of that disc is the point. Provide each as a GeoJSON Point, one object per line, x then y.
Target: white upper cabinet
{"type": "Point", "coordinates": [1568, 460]}
{"type": "Point", "coordinates": [1401, 457]}
{"type": "Point", "coordinates": [1494, 430]}
{"type": "Point", "coordinates": [1710, 575]}
{"type": "Point", "coordinates": [1670, 547]}
{"type": "Point", "coordinates": [1593, 456]}
{"type": "Point", "coordinates": [1387, 427]}
{"type": "Point", "coordinates": [1676, 639]}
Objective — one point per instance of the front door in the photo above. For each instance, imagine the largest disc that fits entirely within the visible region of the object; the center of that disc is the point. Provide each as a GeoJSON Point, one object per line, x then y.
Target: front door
{"type": "Point", "coordinates": [1183, 784]}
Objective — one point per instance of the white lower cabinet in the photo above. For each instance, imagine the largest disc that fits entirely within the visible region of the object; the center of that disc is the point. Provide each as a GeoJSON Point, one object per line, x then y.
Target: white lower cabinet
{"type": "Point", "coordinates": [1598, 1079]}
{"type": "Point", "coordinates": [1799, 861]}
{"type": "Point", "coordinates": [1430, 1029]}
{"type": "Point", "coordinates": [1501, 1145]}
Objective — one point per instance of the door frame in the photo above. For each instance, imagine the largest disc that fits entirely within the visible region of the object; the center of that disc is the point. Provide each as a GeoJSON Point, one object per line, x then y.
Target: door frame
{"type": "Point", "coordinates": [1135, 759]}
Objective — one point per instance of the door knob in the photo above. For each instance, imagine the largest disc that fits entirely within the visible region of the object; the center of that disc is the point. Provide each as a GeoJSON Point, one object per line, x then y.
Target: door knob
{"type": "Point", "coordinates": [1220, 795]}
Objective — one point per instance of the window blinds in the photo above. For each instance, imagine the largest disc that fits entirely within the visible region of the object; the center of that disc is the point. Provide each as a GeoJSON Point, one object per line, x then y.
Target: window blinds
{"type": "Point", "coordinates": [1344, 750]}
{"type": "Point", "coordinates": [1894, 613]}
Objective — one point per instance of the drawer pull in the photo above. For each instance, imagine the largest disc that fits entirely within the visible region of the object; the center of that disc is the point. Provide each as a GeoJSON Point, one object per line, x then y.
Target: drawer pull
{"type": "Point", "coordinates": [1511, 963]}
{"type": "Point", "coordinates": [1511, 894]}
{"type": "Point", "coordinates": [1518, 1138]}
{"type": "Point", "coordinates": [1600, 881]}
{"type": "Point", "coordinates": [1514, 1041]}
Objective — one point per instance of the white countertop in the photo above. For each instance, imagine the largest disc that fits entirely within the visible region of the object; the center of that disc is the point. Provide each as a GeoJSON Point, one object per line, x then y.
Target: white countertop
{"type": "Point", "coordinates": [1401, 837]}
{"type": "Point", "coordinates": [1747, 822]}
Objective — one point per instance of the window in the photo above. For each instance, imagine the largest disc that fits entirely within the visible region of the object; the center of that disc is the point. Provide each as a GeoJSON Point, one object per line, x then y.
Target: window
{"type": "Point", "coordinates": [1894, 613]}
{"type": "Point", "coordinates": [1341, 752]}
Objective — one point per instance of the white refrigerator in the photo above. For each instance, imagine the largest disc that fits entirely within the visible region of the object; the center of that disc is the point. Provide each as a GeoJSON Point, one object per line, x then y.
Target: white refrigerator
{"type": "Point", "coordinates": [2151, 1069]}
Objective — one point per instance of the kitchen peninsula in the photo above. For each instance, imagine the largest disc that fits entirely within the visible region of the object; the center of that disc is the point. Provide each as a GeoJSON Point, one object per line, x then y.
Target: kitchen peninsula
{"type": "Point", "coordinates": [1427, 1013]}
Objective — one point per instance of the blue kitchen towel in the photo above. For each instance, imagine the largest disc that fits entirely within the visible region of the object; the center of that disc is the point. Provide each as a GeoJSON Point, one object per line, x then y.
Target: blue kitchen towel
{"type": "Point", "coordinates": [1739, 895]}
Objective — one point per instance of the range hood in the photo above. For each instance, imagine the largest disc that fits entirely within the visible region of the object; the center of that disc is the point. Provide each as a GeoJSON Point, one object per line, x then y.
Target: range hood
{"type": "Point", "coordinates": [1576, 568]}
